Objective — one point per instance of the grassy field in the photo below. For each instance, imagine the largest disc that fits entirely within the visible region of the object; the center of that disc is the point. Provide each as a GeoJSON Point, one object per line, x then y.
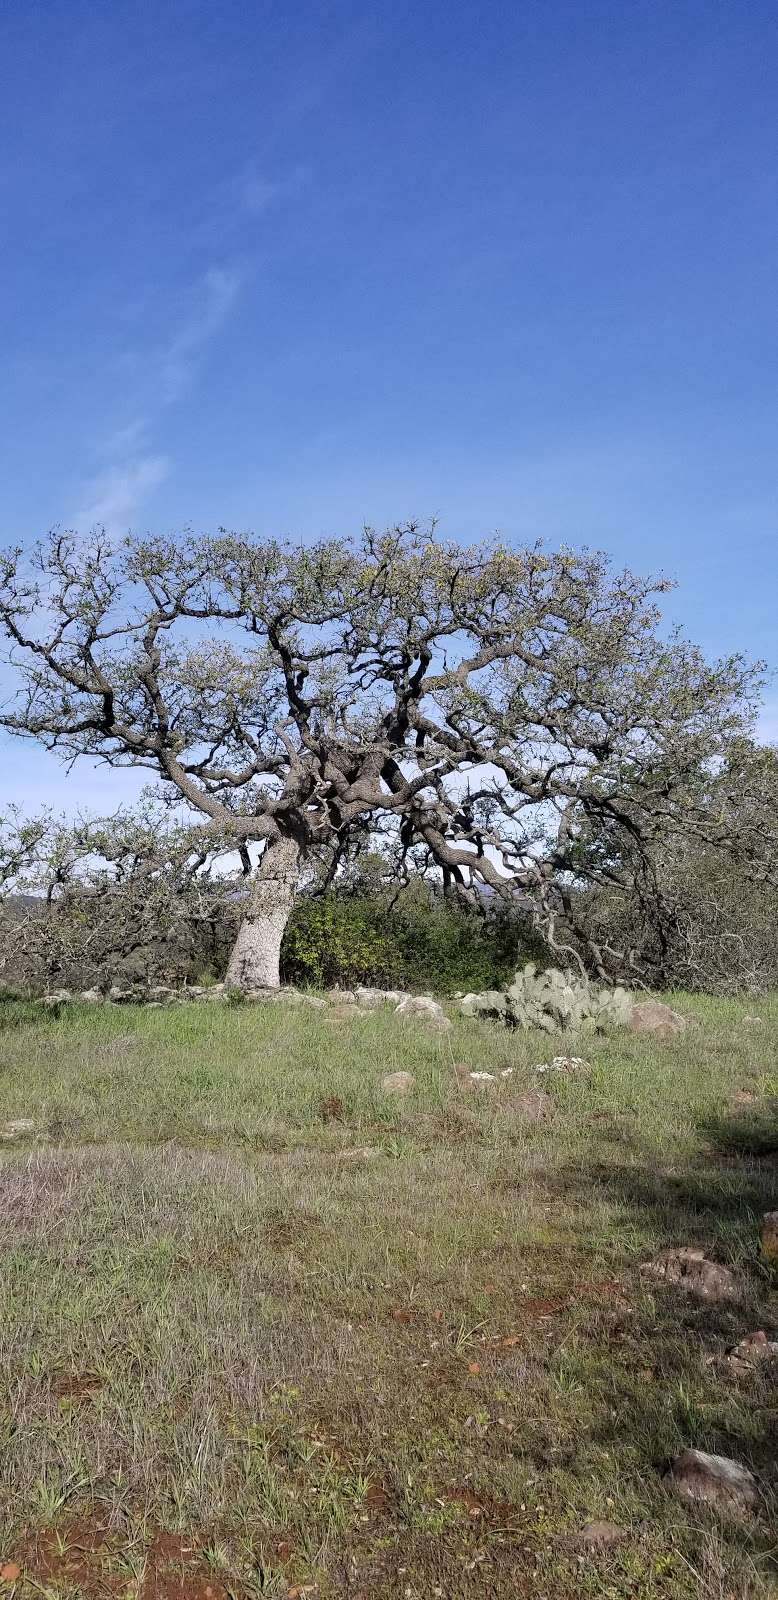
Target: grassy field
{"type": "Point", "coordinates": [265, 1331]}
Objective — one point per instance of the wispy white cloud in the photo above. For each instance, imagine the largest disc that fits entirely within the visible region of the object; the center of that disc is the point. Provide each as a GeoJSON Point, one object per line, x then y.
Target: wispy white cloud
{"type": "Point", "coordinates": [113, 497]}
{"type": "Point", "coordinates": [258, 193]}
{"type": "Point", "coordinates": [211, 302]}
{"type": "Point", "coordinates": [132, 436]}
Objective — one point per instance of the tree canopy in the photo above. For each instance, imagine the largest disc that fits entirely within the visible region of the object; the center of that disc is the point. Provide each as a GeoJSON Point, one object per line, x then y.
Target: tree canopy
{"type": "Point", "coordinates": [515, 717]}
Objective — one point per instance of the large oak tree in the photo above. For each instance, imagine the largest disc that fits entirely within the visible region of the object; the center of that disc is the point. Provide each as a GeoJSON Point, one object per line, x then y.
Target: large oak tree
{"type": "Point", "coordinates": [515, 716]}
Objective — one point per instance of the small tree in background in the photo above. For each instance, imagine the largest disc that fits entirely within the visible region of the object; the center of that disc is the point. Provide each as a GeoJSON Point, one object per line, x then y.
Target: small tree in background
{"type": "Point", "coordinates": [713, 917]}
{"type": "Point", "coordinates": [132, 895]}
{"type": "Point", "coordinates": [514, 715]}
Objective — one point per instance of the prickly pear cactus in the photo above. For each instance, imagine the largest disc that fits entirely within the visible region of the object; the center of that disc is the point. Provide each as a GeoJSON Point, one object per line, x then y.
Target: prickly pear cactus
{"type": "Point", "coordinates": [553, 1001]}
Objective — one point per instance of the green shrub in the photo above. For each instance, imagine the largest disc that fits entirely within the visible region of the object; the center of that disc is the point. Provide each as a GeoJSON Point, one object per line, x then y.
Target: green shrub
{"type": "Point", "coordinates": [416, 941]}
{"type": "Point", "coordinates": [331, 942]}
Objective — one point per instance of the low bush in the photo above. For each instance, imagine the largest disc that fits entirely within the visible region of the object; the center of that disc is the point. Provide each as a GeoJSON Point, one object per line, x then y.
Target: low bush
{"type": "Point", "coordinates": [417, 941]}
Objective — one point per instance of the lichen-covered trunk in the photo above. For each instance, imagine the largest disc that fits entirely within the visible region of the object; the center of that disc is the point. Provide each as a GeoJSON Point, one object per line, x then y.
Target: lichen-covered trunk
{"type": "Point", "coordinates": [254, 962]}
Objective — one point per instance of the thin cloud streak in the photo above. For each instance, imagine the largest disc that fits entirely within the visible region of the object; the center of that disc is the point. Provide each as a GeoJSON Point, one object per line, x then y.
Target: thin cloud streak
{"type": "Point", "coordinates": [213, 299]}
{"type": "Point", "coordinates": [113, 497]}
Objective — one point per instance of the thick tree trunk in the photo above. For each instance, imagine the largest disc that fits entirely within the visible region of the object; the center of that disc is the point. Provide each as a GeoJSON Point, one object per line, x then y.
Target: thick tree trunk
{"type": "Point", "coordinates": [254, 962]}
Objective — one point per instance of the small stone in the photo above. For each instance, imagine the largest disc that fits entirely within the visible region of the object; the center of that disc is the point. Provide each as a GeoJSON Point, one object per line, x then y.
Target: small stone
{"type": "Point", "coordinates": [570, 1065]}
{"type": "Point", "coordinates": [398, 1083]}
{"type": "Point", "coordinates": [756, 1022]}
{"type": "Point", "coordinates": [769, 1235]}
{"type": "Point", "coordinates": [58, 997]}
{"type": "Point", "coordinates": [690, 1269]}
{"type": "Point", "coordinates": [695, 1476]}
{"type": "Point", "coordinates": [360, 1152]}
{"type": "Point", "coordinates": [744, 1357]}
{"type": "Point", "coordinates": [655, 1018]}
{"type": "Point", "coordinates": [91, 996]}
{"type": "Point", "coordinates": [380, 997]}
{"type": "Point", "coordinates": [420, 1005]}
{"type": "Point", "coordinates": [17, 1128]}
{"type": "Point", "coordinates": [594, 1536]}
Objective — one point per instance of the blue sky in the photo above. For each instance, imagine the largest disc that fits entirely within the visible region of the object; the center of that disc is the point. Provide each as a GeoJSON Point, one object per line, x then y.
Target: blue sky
{"type": "Point", "coordinates": [293, 267]}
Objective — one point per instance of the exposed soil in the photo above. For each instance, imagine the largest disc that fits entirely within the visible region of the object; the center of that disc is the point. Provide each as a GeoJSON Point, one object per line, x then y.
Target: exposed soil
{"type": "Point", "coordinates": [83, 1557]}
{"type": "Point", "coordinates": [76, 1386]}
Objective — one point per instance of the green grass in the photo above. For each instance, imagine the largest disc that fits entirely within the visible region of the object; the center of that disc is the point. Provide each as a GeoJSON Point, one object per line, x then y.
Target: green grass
{"type": "Point", "coordinates": [231, 1359]}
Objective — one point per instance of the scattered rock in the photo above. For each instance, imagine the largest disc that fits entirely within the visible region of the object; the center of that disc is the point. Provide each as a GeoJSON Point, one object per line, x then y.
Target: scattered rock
{"type": "Point", "coordinates": [691, 1270]}
{"type": "Point", "coordinates": [340, 997]}
{"type": "Point", "coordinates": [58, 997]}
{"type": "Point", "coordinates": [567, 1064]}
{"type": "Point", "coordinates": [420, 1005]}
{"type": "Point", "coordinates": [655, 1018]}
{"type": "Point", "coordinates": [533, 1106]}
{"type": "Point", "coordinates": [755, 1348]}
{"type": "Point", "coordinates": [398, 1083]}
{"type": "Point", "coordinates": [92, 996]}
{"type": "Point", "coordinates": [715, 1480]}
{"type": "Point", "coordinates": [594, 1536]}
{"type": "Point", "coordinates": [769, 1235]}
{"type": "Point", "coordinates": [380, 997]}
{"type": "Point", "coordinates": [17, 1128]}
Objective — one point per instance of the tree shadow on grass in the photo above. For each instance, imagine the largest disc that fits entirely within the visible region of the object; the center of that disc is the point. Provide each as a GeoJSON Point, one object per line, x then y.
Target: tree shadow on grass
{"type": "Point", "coordinates": [715, 1204]}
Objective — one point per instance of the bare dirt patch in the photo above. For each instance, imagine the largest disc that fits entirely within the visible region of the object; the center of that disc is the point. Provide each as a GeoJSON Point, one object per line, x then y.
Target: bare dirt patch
{"type": "Point", "coordinates": [75, 1386]}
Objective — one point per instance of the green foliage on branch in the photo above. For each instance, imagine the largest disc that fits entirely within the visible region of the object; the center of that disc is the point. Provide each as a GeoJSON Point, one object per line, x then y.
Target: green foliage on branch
{"type": "Point", "coordinates": [420, 943]}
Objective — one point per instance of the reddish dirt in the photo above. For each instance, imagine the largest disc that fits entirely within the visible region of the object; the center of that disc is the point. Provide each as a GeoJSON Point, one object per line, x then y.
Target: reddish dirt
{"type": "Point", "coordinates": [180, 1586]}
{"type": "Point", "coordinates": [331, 1109]}
{"type": "Point", "coordinates": [77, 1557]}
{"type": "Point", "coordinates": [76, 1385]}
{"type": "Point", "coordinates": [72, 1556]}
{"type": "Point", "coordinates": [379, 1498]}
{"type": "Point", "coordinates": [167, 1548]}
